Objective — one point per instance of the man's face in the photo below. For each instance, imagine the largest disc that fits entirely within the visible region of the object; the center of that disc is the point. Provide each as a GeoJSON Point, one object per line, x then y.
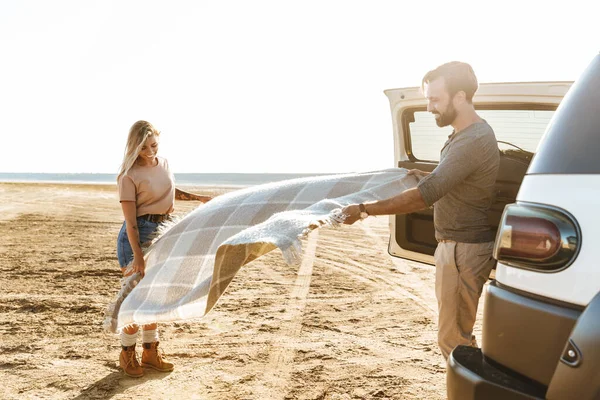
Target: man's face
{"type": "Point", "coordinates": [439, 102]}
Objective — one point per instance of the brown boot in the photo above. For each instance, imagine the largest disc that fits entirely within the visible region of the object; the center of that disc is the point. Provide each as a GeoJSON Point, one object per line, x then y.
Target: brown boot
{"type": "Point", "coordinates": [129, 363]}
{"type": "Point", "coordinates": [153, 358]}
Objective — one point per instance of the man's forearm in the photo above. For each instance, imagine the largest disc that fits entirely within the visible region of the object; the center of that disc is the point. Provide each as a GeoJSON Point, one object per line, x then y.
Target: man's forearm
{"type": "Point", "coordinates": [404, 203]}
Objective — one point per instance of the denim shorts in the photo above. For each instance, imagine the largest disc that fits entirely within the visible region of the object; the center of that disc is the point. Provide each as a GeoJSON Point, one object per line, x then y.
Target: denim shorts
{"type": "Point", "coordinates": [124, 250]}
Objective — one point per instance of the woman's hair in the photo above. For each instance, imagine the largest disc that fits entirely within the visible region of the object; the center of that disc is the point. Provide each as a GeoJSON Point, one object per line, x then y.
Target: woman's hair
{"type": "Point", "coordinates": [138, 133]}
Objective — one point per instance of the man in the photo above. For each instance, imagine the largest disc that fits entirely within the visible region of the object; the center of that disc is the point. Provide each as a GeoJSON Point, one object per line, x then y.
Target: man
{"type": "Point", "coordinates": [460, 189]}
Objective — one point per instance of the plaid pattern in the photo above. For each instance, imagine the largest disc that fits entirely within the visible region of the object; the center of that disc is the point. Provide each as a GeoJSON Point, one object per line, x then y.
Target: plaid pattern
{"type": "Point", "coordinates": [190, 266]}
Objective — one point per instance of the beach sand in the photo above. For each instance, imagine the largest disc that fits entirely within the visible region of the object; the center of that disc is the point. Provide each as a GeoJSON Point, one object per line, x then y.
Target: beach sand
{"type": "Point", "coordinates": [350, 323]}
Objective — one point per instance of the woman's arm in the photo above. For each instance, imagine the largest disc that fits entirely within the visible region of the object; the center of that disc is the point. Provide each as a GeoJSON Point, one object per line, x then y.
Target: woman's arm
{"type": "Point", "coordinates": [133, 234]}
{"type": "Point", "coordinates": [181, 195]}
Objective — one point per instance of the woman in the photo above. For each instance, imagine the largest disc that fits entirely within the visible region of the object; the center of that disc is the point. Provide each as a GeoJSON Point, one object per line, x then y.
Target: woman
{"type": "Point", "coordinates": [147, 195]}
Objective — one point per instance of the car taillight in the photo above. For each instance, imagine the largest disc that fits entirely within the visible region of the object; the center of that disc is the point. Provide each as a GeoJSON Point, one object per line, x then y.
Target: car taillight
{"type": "Point", "coordinates": [537, 237]}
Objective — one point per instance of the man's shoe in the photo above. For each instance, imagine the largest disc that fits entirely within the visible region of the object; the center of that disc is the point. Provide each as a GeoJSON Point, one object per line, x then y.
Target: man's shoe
{"type": "Point", "coordinates": [152, 358]}
{"type": "Point", "coordinates": [129, 363]}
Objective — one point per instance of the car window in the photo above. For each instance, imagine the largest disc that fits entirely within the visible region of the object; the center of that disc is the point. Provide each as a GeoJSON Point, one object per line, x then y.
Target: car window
{"type": "Point", "coordinates": [520, 128]}
{"type": "Point", "coordinates": [572, 143]}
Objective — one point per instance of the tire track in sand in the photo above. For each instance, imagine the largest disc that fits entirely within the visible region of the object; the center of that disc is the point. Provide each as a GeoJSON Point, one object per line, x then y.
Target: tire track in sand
{"type": "Point", "coordinates": [400, 277]}
{"type": "Point", "coordinates": [280, 365]}
{"type": "Point", "coordinates": [410, 281]}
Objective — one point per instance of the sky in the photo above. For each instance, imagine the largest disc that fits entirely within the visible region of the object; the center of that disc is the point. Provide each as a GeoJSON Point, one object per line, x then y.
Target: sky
{"type": "Point", "coordinates": [253, 86]}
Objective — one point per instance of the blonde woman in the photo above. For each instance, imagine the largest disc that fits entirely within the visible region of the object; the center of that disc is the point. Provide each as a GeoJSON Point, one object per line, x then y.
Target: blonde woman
{"type": "Point", "coordinates": [147, 195]}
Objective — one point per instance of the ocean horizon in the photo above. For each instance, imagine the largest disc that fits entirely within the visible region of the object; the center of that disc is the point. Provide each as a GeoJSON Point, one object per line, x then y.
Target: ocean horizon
{"type": "Point", "coordinates": [191, 179]}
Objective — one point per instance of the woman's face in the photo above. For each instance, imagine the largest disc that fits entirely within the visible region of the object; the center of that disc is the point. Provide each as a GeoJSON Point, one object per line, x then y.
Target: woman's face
{"type": "Point", "coordinates": [149, 150]}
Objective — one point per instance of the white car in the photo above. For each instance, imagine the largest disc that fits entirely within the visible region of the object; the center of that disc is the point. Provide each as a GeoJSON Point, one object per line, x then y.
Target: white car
{"type": "Point", "coordinates": [541, 326]}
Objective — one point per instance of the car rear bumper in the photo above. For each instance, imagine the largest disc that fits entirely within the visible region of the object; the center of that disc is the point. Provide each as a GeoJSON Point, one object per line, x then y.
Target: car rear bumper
{"type": "Point", "coordinates": [471, 377]}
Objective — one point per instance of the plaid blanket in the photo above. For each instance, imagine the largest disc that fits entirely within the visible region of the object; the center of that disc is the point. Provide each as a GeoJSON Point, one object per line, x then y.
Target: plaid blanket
{"type": "Point", "coordinates": [191, 264]}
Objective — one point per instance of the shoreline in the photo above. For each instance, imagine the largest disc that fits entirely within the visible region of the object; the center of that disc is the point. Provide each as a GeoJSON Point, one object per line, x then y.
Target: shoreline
{"type": "Point", "coordinates": [83, 199]}
{"type": "Point", "coordinates": [89, 184]}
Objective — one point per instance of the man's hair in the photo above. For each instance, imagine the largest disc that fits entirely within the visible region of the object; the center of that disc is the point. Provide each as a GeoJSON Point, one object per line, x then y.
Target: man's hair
{"type": "Point", "coordinates": [457, 76]}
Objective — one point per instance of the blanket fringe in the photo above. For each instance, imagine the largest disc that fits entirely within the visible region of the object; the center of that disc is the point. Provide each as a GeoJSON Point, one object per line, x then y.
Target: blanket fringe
{"type": "Point", "coordinates": [127, 285]}
{"type": "Point", "coordinates": [293, 254]}
{"type": "Point", "coordinates": [160, 230]}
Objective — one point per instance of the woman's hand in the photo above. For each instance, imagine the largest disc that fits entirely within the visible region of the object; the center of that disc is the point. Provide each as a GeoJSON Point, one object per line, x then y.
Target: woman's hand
{"type": "Point", "coordinates": [139, 265]}
{"type": "Point", "coordinates": [204, 199]}
{"type": "Point", "coordinates": [182, 195]}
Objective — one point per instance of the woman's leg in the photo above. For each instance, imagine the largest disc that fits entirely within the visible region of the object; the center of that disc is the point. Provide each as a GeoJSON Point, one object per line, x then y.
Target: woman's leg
{"type": "Point", "coordinates": [128, 360]}
{"type": "Point", "coordinates": [151, 356]}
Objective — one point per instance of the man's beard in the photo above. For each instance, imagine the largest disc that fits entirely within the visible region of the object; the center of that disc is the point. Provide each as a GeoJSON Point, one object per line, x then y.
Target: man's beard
{"type": "Point", "coordinates": [447, 117]}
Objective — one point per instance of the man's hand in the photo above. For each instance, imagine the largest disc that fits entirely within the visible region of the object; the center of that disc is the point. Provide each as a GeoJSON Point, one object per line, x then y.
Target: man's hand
{"type": "Point", "coordinates": [352, 213]}
{"type": "Point", "coordinates": [417, 173]}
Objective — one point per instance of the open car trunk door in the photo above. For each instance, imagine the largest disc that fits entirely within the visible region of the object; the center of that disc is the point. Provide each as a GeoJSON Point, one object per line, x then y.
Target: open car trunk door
{"type": "Point", "coordinates": [518, 113]}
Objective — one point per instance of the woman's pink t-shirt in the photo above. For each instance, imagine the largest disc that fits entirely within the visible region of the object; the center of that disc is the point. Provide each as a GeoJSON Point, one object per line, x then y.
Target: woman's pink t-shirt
{"type": "Point", "coordinates": [152, 188]}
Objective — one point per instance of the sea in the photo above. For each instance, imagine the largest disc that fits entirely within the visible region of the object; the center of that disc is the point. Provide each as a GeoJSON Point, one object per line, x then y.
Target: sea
{"type": "Point", "coordinates": [189, 179]}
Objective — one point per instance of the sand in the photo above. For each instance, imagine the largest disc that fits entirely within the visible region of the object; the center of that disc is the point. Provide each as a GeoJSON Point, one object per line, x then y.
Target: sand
{"type": "Point", "coordinates": [350, 323]}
